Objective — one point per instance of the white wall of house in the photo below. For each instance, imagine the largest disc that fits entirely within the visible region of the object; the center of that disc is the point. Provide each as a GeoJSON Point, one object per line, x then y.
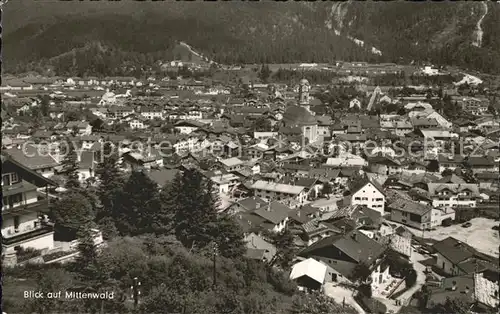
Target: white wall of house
{"type": "Point", "coordinates": [370, 197]}
{"type": "Point", "coordinates": [447, 266]}
{"type": "Point", "coordinates": [272, 195]}
{"type": "Point", "coordinates": [404, 218]}
{"type": "Point", "coordinates": [379, 277]}
{"type": "Point", "coordinates": [26, 223]}
{"type": "Point", "coordinates": [401, 244]}
{"type": "Point", "coordinates": [281, 226]}
{"type": "Point", "coordinates": [452, 200]}
{"type": "Point", "coordinates": [310, 132]}
{"type": "Point", "coordinates": [385, 169]}
{"type": "Point", "coordinates": [42, 242]}
{"type": "Point", "coordinates": [186, 129]}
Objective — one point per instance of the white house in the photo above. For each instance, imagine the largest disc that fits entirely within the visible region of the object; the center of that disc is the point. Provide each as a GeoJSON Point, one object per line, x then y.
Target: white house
{"type": "Point", "coordinates": [232, 164]}
{"type": "Point", "coordinates": [151, 114]}
{"type": "Point", "coordinates": [355, 103]}
{"type": "Point", "coordinates": [187, 126]}
{"type": "Point", "coordinates": [309, 274]}
{"type": "Point", "coordinates": [369, 194]}
{"type": "Point", "coordinates": [24, 225]}
{"type": "Point", "coordinates": [453, 194]}
{"type": "Point", "coordinates": [277, 191]}
{"type": "Point", "coordinates": [224, 182]}
{"type": "Point", "coordinates": [137, 124]}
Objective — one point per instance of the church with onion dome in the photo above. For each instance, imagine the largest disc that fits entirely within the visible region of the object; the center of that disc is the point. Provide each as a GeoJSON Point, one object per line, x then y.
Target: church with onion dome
{"type": "Point", "coordinates": [301, 116]}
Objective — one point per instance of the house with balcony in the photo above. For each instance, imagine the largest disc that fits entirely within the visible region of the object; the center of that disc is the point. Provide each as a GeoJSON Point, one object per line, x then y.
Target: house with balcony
{"type": "Point", "coordinates": [152, 113]}
{"type": "Point", "coordinates": [273, 217]}
{"type": "Point", "coordinates": [453, 194]}
{"type": "Point", "coordinates": [232, 164]}
{"type": "Point", "coordinates": [450, 162]}
{"type": "Point", "coordinates": [223, 182]}
{"type": "Point", "coordinates": [25, 203]}
{"type": "Point", "coordinates": [34, 158]}
{"type": "Point", "coordinates": [279, 191]}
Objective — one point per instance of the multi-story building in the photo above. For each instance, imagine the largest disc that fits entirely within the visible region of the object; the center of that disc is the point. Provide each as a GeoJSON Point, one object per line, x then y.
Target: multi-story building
{"type": "Point", "coordinates": [152, 113]}
{"type": "Point", "coordinates": [369, 194]}
{"type": "Point", "coordinates": [453, 194]}
{"type": "Point", "coordinates": [277, 191]}
{"type": "Point", "coordinates": [419, 215]}
{"type": "Point", "coordinates": [25, 201]}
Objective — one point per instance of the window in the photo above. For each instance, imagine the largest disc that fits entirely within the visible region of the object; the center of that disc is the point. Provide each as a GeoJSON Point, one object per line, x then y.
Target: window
{"type": "Point", "coordinates": [6, 179]}
{"type": "Point", "coordinates": [14, 178]}
{"type": "Point", "coordinates": [357, 198]}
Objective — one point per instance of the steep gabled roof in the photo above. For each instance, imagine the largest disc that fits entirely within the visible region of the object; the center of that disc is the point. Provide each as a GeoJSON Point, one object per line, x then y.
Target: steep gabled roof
{"type": "Point", "coordinates": [39, 180]}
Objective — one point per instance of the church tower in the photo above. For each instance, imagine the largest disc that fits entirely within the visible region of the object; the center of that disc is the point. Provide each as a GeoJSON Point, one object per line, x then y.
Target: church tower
{"type": "Point", "coordinates": [304, 88]}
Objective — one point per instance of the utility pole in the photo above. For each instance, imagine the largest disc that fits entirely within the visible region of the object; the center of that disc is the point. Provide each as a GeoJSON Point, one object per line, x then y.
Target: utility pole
{"type": "Point", "coordinates": [215, 249]}
{"type": "Point", "coordinates": [135, 292]}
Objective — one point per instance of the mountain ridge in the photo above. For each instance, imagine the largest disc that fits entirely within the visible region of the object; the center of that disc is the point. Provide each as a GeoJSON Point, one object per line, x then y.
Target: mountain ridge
{"type": "Point", "coordinates": [250, 32]}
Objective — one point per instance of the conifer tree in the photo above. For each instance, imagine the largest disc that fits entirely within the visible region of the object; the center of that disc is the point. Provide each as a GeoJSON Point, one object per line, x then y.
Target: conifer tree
{"type": "Point", "coordinates": [285, 248]}
{"type": "Point", "coordinates": [230, 238]}
{"type": "Point", "coordinates": [71, 212]}
{"type": "Point", "coordinates": [138, 205]}
{"type": "Point", "coordinates": [70, 166]}
{"type": "Point", "coordinates": [87, 261]}
{"type": "Point", "coordinates": [110, 187]}
{"type": "Point", "coordinates": [194, 208]}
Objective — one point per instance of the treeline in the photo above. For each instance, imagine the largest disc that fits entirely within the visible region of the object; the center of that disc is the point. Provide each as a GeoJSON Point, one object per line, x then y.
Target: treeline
{"type": "Point", "coordinates": [279, 34]}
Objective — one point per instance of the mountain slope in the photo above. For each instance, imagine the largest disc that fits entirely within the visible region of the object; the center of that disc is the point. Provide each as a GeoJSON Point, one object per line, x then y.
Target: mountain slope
{"type": "Point", "coordinates": [36, 33]}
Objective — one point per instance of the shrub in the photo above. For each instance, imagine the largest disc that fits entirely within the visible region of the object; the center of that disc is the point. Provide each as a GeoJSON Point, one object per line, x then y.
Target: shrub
{"type": "Point", "coordinates": [371, 305]}
{"type": "Point", "coordinates": [365, 290]}
{"type": "Point", "coordinates": [447, 222]}
{"type": "Point", "coordinates": [26, 254]}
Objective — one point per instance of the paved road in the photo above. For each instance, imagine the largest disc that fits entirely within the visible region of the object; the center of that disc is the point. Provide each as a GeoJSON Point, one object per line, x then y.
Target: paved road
{"type": "Point", "coordinates": [420, 269]}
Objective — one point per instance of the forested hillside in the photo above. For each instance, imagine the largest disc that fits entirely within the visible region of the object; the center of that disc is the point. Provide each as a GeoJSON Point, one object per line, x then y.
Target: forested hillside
{"type": "Point", "coordinates": [60, 33]}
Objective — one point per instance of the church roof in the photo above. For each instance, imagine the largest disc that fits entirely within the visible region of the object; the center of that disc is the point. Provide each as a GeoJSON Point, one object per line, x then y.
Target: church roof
{"type": "Point", "coordinates": [298, 116]}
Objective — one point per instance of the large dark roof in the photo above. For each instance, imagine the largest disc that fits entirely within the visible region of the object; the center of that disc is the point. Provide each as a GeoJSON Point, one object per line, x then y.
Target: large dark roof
{"type": "Point", "coordinates": [34, 177]}
{"type": "Point", "coordinates": [298, 116]}
{"type": "Point", "coordinates": [354, 244]}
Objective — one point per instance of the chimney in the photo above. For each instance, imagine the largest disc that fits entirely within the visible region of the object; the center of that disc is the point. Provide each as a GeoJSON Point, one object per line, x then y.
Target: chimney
{"type": "Point", "coordinates": [257, 205]}
{"type": "Point", "coordinates": [354, 236]}
{"type": "Point", "coordinates": [343, 229]}
{"type": "Point", "coordinates": [269, 207]}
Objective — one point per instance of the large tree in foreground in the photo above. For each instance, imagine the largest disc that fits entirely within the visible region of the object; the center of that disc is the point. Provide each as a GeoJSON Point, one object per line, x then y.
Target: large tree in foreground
{"type": "Point", "coordinates": [70, 166]}
{"type": "Point", "coordinates": [192, 203]}
{"type": "Point", "coordinates": [110, 187]}
{"type": "Point", "coordinates": [137, 206]}
{"type": "Point", "coordinates": [72, 211]}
